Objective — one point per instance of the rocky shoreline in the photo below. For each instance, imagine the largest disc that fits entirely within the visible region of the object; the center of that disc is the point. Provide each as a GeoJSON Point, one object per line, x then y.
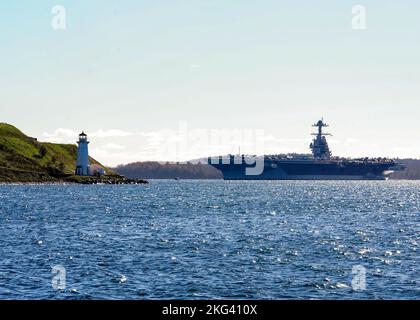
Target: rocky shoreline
{"type": "Point", "coordinates": [87, 180]}
{"type": "Point", "coordinates": [123, 181]}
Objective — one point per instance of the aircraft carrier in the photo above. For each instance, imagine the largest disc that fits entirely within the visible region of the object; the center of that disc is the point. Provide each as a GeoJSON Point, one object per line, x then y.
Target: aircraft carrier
{"type": "Point", "coordinates": [320, 165]}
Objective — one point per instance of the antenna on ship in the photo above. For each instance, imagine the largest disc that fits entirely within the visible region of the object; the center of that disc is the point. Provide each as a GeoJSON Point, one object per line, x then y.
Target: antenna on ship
{"type": "Point", "coordinates": [321, 124]}
{"type": "Point", "coordinates": [319, 146]}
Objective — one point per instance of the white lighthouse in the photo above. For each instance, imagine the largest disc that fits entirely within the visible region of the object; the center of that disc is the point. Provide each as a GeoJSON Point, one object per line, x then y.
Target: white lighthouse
{"type": "Point", "coordinates": [82, 165]}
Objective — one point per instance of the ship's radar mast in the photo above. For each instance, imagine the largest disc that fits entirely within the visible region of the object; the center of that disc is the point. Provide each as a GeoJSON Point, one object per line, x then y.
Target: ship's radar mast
{"type": "Point", "coordinates": [319, 145]}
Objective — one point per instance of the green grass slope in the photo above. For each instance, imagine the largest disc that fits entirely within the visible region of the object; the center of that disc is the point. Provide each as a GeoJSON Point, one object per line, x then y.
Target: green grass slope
{"type": "Point", "coordinates": [24, 159]}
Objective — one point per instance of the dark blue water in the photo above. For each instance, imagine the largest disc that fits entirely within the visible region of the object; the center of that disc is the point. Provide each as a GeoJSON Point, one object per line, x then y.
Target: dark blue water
{"type": "Point", "coordinates": [211, 239]}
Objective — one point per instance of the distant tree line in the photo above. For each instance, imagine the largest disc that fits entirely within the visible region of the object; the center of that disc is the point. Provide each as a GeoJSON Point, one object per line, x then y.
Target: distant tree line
{"type": "Point", "coordinates": [157, 170]}
{"type": "Point", "coordinates": [412, 171]}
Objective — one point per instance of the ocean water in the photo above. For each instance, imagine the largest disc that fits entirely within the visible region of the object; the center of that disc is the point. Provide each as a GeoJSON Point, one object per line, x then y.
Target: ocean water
{"type": "Point", "coordinates": [211, 240]}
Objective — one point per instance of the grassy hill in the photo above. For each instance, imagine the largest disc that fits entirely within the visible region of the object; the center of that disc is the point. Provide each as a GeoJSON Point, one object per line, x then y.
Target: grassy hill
{"type": "Point", "coordinates": [24, 159]}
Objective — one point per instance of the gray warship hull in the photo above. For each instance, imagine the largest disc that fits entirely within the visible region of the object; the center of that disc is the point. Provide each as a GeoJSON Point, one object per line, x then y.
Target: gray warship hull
{"type": "Point", "coordinates": [309, 170]}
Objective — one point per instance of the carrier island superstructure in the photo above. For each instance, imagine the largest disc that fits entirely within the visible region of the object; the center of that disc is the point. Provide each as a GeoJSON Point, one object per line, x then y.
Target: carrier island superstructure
{"type": "Point", "coordinates": [320, 165]}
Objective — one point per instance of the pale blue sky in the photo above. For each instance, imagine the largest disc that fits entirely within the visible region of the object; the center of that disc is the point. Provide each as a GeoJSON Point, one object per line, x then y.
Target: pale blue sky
{"type": "Point", "coordinates": [143, 66]}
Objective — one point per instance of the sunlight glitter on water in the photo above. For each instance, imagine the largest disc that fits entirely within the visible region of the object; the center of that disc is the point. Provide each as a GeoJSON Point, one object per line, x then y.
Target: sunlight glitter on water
{"type": "Point", "coordinates": [211, 239]}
